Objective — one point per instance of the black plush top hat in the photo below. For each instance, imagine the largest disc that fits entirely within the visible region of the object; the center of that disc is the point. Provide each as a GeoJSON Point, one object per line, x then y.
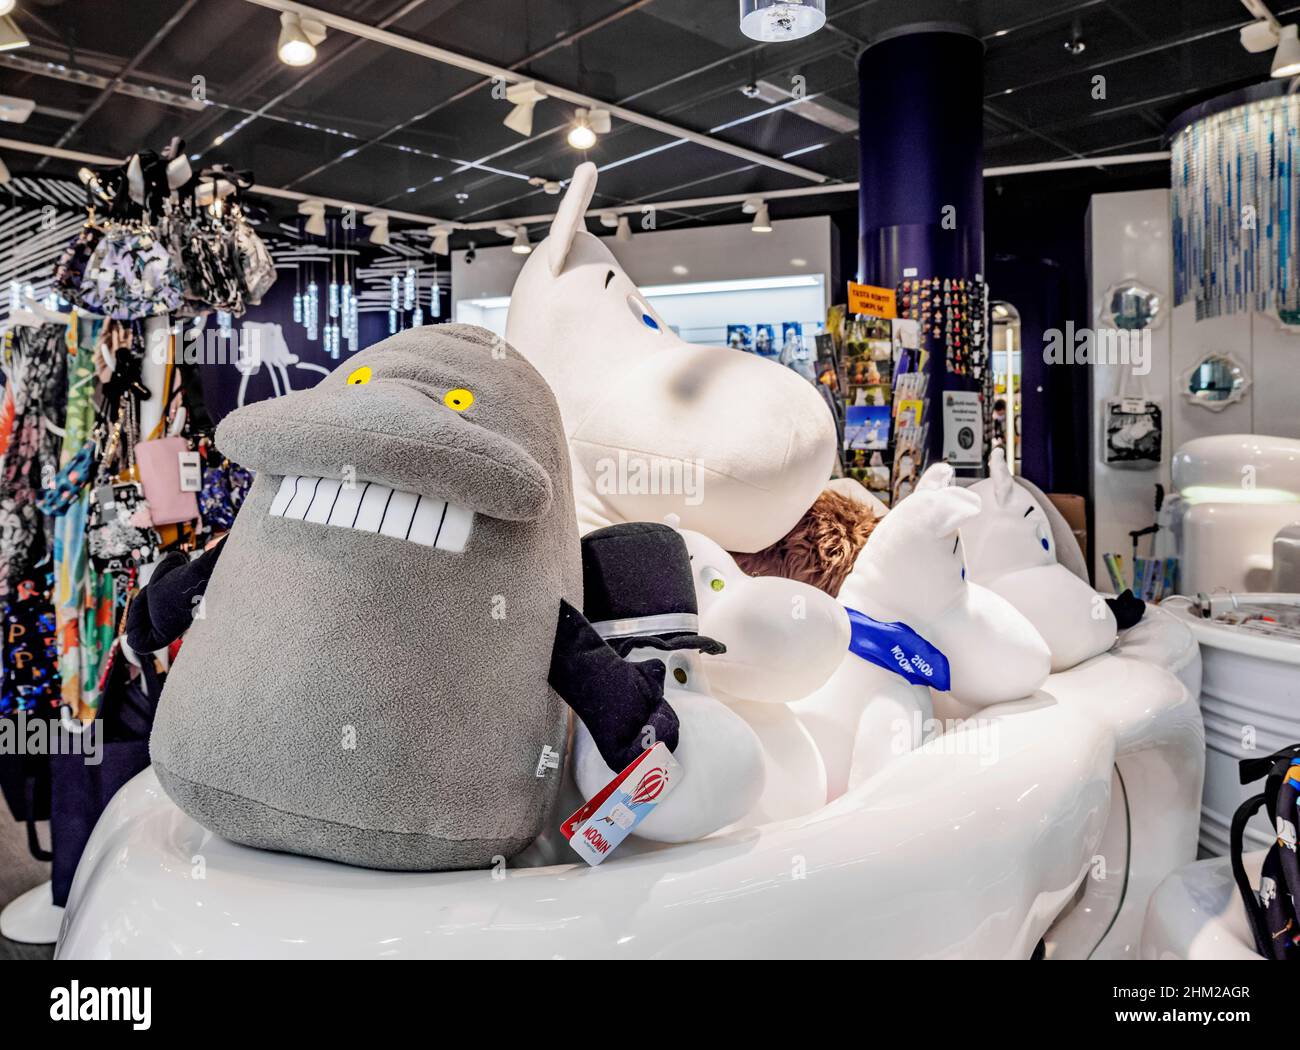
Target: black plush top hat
{"type": "Point", "coordinates": [637, 589]}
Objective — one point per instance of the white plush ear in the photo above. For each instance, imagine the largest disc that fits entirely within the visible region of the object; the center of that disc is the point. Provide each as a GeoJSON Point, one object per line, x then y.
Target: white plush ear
{"type": "Point", "coordinates": [943, 511]}
{"type": "Point", "coordinates": [569, 218]}
{"type": "Point", "coordinates": [1003, 484]}
{"type": "Point", "coordinates": [938, 476]}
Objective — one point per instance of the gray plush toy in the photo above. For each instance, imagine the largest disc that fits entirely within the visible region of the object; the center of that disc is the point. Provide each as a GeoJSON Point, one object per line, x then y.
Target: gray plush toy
{"type": "Point", "coordinates": [368, 682]}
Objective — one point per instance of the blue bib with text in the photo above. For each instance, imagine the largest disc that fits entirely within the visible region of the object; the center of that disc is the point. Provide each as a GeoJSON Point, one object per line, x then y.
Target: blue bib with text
{"type": "Point", "coordinates": [898, 648]}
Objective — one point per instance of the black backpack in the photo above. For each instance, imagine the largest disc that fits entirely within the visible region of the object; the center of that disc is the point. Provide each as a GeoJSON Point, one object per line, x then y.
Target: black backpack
{"type": "Point", "coordinates": [1271, 910]}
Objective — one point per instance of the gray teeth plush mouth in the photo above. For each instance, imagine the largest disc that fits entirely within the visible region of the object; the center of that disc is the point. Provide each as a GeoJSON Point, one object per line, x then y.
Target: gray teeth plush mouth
{"type": "Point", "coordinates": [368, 507]}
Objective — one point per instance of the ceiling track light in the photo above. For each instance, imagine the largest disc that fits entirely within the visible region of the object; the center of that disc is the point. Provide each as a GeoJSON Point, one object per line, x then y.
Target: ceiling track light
{"type": "Point", "coordinates": [523, 97]}
{"type": "Point", "coordinates": [441, 236]}
{"type": "Point", "coordinates": [587, 124]}
{"type": "Point", "coordinates": [762, 221]}
{"type": "Point", "coordinates": [378, 223]}
{"type": "Point", "coordinates": [315, 212]}
{"type": "Point", "coordinates": [1286, 59]}
{"type": "Point", "coordinates": [521, 245]}
{"type": "Point", "coordinates": [298, 39]}
{"type": "Point", "coordinates": [11, 37]}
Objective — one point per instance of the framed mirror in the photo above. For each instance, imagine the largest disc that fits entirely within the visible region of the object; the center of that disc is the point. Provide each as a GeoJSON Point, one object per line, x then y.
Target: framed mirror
{"type": "Point", "coordinates": [1216, 381]}
{"type": "Point", "coordinates": [1131, 306]}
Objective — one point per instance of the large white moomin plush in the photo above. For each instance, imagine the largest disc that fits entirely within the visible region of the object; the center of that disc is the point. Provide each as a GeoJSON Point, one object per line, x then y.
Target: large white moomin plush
{"type": "Point", "coordinates": [737, 447]}
{"type": "Point", "coordinates": [784, 640]}
{"type": "Point", "coordinates": [1010, 549]}
{"type": "Point", "coordinates": [912, 572]}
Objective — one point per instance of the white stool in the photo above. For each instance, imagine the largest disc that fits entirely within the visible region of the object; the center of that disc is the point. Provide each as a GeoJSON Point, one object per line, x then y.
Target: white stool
{"type": "Point", "coordinates": [1196, 913]}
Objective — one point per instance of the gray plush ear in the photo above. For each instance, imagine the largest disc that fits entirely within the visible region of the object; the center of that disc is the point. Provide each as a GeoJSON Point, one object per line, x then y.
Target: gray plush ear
{"type": "Point", "coordinates": [1003, 483]}
{"type": "Point", "coordinates": [569, 219]}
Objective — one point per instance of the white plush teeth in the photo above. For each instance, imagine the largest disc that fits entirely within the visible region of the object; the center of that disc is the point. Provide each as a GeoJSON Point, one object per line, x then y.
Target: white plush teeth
{"type": "Point", "coordinates": [368, 507]}
{"type": "Point", "coordinates": [455, 530]}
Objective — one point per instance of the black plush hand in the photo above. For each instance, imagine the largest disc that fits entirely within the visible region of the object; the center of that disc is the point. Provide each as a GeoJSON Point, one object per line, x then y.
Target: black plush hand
{"type": "Point", "coordinates": [1128, 609]}
{"type": "Point", "coordinates": [619, 701]}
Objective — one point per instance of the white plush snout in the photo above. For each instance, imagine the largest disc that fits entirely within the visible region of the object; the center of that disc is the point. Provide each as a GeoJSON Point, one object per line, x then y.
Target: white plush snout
{"type": "Point", "coordinates": [1073, 619]}
{"type": "Point", "coordinates": [784, 639]}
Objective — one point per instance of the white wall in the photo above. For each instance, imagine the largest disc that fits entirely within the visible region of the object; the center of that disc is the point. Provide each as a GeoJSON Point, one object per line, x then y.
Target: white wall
{"type": "Point", "coordinates": [706, 253]}
{"type": "Point", "coordinates": [1129, 236]}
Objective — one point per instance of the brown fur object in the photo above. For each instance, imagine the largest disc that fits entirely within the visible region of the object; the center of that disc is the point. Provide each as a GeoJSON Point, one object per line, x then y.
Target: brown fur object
{"type": "Point", "coordinates": [821, 548]}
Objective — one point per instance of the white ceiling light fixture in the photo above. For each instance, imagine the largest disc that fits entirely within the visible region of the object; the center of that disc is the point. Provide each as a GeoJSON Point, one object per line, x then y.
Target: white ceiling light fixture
{"type": "Point", "coordinates": [587, 124]}
{"type": "Point", "coordinates": [441, 236]}
{"type": "Point", "coordinates": [1286, 59]}
{"type": "Point", "coordinates": [609, 219]}
{"type": "Point", "coordinates": [298, 39]}
{"type": "Point", "coordinates": [16, 110]}
{"type": "Point", "coordinates": [378, 223]}
{"type": "Point", "coordinates": [315, 212]}
{"type": "Point", "coordinates": [523, 97]}
{"type": "Point", "coordinates": [521, 245]}
{"type": "Point", "coordinates": [624, 232]}
{"type": "Point", "coordinates": [7, 7]}
{"type": "Point", "coordinates": [773, 21]}
{"type": "Point", "coordinates": [762, 221]}
{"type": "Point", "coordinates": [11, 37]}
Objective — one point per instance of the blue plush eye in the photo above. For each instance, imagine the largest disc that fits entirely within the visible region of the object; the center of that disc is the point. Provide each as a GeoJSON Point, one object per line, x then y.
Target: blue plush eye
{"type": "Point", "coordinates": [641, 311]}
{"type": "Point", "coordinates": [963, 572]}
{"type": "Point", "coordinates": [649, 322]}
{"type": "Point", "coordinates": [1041, 533]}
{"type": "Point", "coordinates": [1046, 546]}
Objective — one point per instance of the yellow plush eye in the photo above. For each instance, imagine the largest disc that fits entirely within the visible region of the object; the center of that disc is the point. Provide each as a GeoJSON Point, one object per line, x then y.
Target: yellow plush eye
{"type": "Point", "coordinates": [459, 399]}
{"type": "Point", "coordinates": [359, 376]}
{"type": "Point", "coordinates": [713, 578]}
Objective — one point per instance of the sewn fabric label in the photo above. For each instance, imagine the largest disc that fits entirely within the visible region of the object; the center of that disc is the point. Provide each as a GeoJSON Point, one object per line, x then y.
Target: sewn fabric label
{"type": "Point", "coordinates": [597, 827]}
{"type": "Point", "coordinates": [898, 648]}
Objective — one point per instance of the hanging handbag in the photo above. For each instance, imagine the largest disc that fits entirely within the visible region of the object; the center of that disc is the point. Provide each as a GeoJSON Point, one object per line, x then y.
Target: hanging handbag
{"type": "Point", "coordinates": [225, 485]}
{"type": "Point", "coordinates": [256, 267]}
{"type": "Point", "coordinates": [159, 462]}
{"type": "Point", "coordinates": [130, 275]}
{"type": "Point", "coordinates": [116, 537]}
{"type": "Point", "coordinates": [71, 267]}
{"type": "Point", "coordinates": [1271, 911]}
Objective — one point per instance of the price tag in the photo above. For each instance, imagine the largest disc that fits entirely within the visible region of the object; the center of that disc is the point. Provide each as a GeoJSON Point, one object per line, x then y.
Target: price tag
{"type": "Point", "coordinates": [191, 472]}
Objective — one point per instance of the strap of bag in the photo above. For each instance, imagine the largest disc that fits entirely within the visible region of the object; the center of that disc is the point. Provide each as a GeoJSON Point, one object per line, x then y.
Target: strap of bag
{"type": "Point", "coordinates": [1236, 847]}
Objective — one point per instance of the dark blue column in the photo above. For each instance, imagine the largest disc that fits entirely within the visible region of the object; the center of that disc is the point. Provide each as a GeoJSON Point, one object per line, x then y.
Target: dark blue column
{"type": "Point", "coordinates": [922, 147]}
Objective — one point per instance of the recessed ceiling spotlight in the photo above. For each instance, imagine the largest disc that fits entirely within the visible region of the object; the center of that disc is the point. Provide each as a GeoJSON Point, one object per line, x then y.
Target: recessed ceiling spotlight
{"type": "Point", "coordinates": [762, 221]}
{"type": "Point", "coordinates": [751, 90]}
{"type": "Point", "coordinates": [772, 21]}
{"type": "Point", "coordinates": [462, 197]}
{"type": "Point", "coordinates": [798, 262]}
{"type": "Point", "coordinates": [680, 270]}
{"type": "Point", "coordinates": [1075, 45]}
{"type": "Point", "coordinates": [1002, 32]}
{"type": "Point", "coordinates": [1286, 60]}
{"type": "Point", "coordinates": [298, 39]}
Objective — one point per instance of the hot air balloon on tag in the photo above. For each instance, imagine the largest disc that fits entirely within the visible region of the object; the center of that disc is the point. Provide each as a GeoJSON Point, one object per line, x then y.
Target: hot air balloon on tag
{"type": "Point", "coordinates": [596, 829]}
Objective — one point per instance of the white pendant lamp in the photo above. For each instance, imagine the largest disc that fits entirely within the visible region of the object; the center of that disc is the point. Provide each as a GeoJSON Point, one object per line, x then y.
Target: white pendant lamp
{"type": "Point", "coordinates": [521, 245]}
{"type": "Point", "coordinates": [298, 39]}
{"type": "Point", "coordinates": [624, 233]}
{"type": "Point", "coordinates": [441, 239]}
{"type": "Point", "coordinates": [762, 221]}
{"type": "Point", "coordinates": [773, 21]}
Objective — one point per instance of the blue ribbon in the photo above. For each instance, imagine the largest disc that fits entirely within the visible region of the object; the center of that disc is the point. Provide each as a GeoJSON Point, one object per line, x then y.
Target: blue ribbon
{"type": "Point", "coordinates": [898, 648]}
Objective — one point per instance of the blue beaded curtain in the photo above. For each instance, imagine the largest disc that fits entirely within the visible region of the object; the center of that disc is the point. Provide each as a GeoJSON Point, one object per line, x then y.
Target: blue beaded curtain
{"type": "Point", "coordinates": [1235, 200]}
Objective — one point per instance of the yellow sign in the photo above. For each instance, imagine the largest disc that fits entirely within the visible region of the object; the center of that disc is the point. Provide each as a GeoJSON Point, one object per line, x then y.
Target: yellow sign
{"type": "Point", "coordinates": [872, 301]}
